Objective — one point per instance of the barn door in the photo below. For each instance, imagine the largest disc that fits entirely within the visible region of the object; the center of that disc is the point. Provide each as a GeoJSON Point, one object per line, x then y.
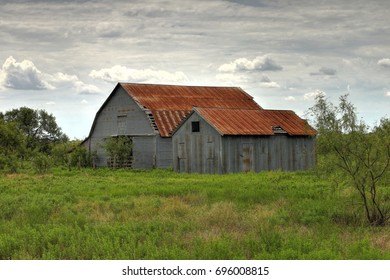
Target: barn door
{"type": "Point", "coordinates": [247, 157]}
{"type": "Point", "coordinates": [182, 158]}
{"type": "Point", "coordinates": [210, 163]}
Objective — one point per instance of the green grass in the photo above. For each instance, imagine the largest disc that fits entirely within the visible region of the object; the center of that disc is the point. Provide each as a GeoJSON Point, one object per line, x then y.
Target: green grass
{"type": "Point", "coordinates": [105, 214]}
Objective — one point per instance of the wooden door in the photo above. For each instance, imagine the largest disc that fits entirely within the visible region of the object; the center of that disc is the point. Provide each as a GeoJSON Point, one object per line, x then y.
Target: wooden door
{"type": "Point", "coordinates": [247, 157]}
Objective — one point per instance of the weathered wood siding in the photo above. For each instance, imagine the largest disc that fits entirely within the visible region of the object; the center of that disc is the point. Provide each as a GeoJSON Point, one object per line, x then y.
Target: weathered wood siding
{"type": "Point", "coordinates": [196, 151]}
{"type": "Point", "coordinates": [208, 152]}
{"type": "Point", "coordinates": [258, 153]}
{"type": "Point", "coordinates": [163, 152]}
{"type": "Point", "coordinates": [122, 116]}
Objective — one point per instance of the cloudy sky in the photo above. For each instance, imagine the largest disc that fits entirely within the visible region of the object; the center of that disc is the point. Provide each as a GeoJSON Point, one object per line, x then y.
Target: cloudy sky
{"type": "Point", "coordinates": [66, 56]}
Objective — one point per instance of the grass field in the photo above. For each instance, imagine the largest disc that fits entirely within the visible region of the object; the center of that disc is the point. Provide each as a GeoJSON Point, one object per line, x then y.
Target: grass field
{"type": "Point", "coordinates": [106, 214]}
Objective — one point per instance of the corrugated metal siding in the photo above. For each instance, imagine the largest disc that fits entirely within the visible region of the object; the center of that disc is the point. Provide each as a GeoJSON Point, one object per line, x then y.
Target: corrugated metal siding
{"type": "Point", "coordinates": [254, 122]}
{"type": "Point", "coordinates": [170, 104]}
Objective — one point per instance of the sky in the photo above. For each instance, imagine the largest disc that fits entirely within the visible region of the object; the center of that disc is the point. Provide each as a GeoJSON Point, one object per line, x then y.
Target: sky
{"type": "Point", "coordinates": [67, 56]}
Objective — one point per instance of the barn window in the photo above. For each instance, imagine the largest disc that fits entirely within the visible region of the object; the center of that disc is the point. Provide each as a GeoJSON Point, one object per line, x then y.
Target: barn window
{"type": "Point", "coordinates": [278, 130]}
{"type": "Point", "coordinates": [121, 124]}
{"type": "Point", "coordinates": [195, 126]}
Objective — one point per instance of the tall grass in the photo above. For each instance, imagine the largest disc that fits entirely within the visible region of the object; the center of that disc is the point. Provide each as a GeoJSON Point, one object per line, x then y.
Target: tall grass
{"type": "Point", "coordinates": [117, 214]}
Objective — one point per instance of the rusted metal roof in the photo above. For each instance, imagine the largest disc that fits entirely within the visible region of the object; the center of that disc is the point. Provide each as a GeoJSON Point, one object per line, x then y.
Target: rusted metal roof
{"type": "Point", "coordinates": [168, 120]}
{"type": "Point", "coordinates": [170, 104]}
{"type": "Point", "coordinates": [255, 122]}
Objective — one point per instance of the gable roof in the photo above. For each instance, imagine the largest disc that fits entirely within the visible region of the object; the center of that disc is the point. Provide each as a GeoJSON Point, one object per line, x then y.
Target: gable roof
{"type": "Point", "coordinates": [170, 104]}
{"type": "Point", "coordinates": [255, 122]}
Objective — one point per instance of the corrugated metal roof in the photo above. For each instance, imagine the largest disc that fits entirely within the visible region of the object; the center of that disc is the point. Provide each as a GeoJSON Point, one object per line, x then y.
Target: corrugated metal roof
{"type": "Point", "coordinates": [255, 122]}
{"type": "Point", "coordinates": [167, 121]}
{"type": "Point", "coordinates": [170, 104]}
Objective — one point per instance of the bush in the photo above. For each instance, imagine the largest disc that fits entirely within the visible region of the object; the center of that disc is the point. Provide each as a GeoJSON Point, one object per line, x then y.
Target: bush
{"type": "Point", "coordinates": [42, 163]}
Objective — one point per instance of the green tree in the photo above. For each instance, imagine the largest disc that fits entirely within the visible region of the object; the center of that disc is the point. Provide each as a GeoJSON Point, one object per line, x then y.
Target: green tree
{"type": "Point", "coordinates": [12, 145]}
{"type": "Point", "coordinates": [345, 144]}
{"type": "Point", "coordinates": [119, 149]}
{"type": "Point", "coordinates": [40, 127]}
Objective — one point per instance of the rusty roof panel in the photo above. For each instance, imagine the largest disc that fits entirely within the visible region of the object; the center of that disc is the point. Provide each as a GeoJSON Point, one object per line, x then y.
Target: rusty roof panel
{"type": "Point", "coordinates": [254, 122]}
{"type": "Point", "coordinates": [169, 104]}
{"type": "Point", "coordinates": [168, 97]}
{"type": "Point", "coordinates": [148, 90]}
{"type": "Point", "coordinates": [168, 120]}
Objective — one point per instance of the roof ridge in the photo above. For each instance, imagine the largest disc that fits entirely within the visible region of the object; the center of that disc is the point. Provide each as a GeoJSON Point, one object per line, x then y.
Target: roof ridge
{"type": "Point", "coordinates": [170, 85]}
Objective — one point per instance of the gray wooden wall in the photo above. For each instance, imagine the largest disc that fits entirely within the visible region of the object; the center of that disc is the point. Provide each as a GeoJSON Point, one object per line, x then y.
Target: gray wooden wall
{"type": "Point", "coordinates": [196, 151]}
{"type": "Point", "coordinates": [209, 152]}
{"type": "Point", "coordinates": [122, 116]}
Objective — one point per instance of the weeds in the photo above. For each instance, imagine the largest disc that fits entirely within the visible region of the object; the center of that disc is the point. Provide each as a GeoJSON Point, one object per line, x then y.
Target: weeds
{"type": "Point", "coordinates": [116, 214]}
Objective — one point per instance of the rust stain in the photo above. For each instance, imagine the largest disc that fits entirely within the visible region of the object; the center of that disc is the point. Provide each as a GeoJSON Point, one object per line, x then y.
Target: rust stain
{"type": "Point", "coordinates": [170, 104]}
{"type": "Point", "coordinates": [255, 122]}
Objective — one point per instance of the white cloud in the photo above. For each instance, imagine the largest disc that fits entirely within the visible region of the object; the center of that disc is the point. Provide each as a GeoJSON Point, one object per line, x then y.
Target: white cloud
{"type": "Point", "coordinates": [290, 98]}
{"type": "Point", "coordinates": [385, 62]}
{"type": "Point", "coordinates": [388, 93]}
{"type": "Point", "coordinates": [123, 73]}
{"type": "Point", "coordinates": [267, 83]}
{"type": "Point", "coordinates": [231, 79]}
{"type": "Point", "coordinates": [84, 101]}
{"type": "Point", "coordinates": [260, 63]}
{"type": "Point", "coordinates": [62, 80]}
{"type": "Point", "coordinates": [26, 76]}
{"type": "Point", "coordinates": [22, 75]}
{"type": "Point", "coordinates": [50, 103]}
{"type": "Point", "coordinates": [311, 95]}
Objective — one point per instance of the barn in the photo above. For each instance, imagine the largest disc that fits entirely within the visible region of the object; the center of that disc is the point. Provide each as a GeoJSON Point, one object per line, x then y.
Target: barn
{"type": "Point", "coordinates": [148, 115]}
{"type": "Point", "coordinates": [200, 129]}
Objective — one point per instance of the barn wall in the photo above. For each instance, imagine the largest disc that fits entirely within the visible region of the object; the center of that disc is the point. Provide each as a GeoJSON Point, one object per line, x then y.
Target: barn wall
{"type": "Point", "coordinates": [144, 152]}
{"type": "Point", "coordinates": [196, 152]}
{"type": "Point", "coordinates": [163, 152]}
{"type": "Point", "coordinates": [122, 116]}
{"type": "Point", "coordinates": [208, 152]}
{"type": "Point", "coordinates": [258, 153]}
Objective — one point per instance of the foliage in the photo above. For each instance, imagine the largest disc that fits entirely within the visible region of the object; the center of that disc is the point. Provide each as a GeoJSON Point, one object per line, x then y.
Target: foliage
{"type": "Point", "coordinates": [42, 163]}
{"type": "Point", "coordinates": [119, 149]}
{"type": "Point", "coordinates": [157, 214]}
{"type": "Point", "coordinates": [360, 157]}
{"type": "Point", "coordinates": [12, 146]}
{"type": "Point", "coordinates": [39, 127]}
{"type": "Point", "coordinates": [71, 154]}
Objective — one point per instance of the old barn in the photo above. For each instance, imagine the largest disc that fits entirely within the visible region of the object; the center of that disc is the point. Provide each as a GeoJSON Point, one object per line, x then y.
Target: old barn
{"type": "Point", "coordinates": [200, 129]}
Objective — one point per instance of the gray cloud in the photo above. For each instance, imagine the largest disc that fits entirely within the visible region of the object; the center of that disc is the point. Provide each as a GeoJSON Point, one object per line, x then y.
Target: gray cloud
{"type": "Point", "coordinates": [212, 42]}
{"type": "Point", "coordinates": [267, 83]}
{"type": "Point", "coordinates": [122, 73]}
{"type": "Point", "coordinates": [384, 62]}
{"type": "Point", "coordinates": [324, 71]}
{"type": "Point", "coordinates": [260, 63]}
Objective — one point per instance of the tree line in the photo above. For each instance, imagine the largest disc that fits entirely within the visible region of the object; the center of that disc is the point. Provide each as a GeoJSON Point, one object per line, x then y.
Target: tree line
{"type": "Point", "coordinates": [32, 138]}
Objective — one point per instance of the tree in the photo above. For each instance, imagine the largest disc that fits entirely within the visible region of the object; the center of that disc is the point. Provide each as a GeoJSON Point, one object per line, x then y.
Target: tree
{"type": "Point", "coordinates": [345, 144]}
{"type": "Point", "coordinates": [40, 127]}
{"type": "Point", "coordinates": [119, 149]}
{"type": "Point", "coordinates": [12, 145]}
